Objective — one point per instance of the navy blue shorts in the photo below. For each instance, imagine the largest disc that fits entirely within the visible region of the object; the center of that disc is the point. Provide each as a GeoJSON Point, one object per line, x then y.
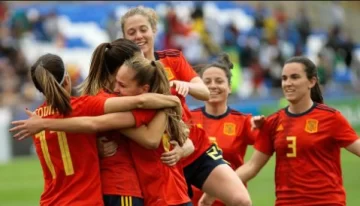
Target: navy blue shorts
{"type": "Point", "coordinates": [197, 172]}
{"type": "Point", "coordinates": [117, 200]}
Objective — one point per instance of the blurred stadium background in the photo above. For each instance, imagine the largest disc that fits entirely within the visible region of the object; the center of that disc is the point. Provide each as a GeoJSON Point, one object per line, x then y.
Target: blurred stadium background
{"type": "Point", "coordinates": [260, 36]}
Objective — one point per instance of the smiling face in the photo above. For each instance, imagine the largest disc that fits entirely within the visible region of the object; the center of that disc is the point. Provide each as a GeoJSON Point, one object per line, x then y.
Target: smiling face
{"type": "Point", "coordinates": [295, 84]}
{"type": "Point", "coordinates": [126, 85]}
{"type": "Point", "coordinates": [137, 28]}
{"type": "Point", "coordinates": [216, 81]}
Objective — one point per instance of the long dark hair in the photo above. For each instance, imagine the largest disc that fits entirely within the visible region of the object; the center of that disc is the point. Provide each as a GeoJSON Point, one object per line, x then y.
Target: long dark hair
{"type": "Point", "coordinates": [311, 72]}
{"type": "Point", "coordinates": [153, 74]}
{"type": "Point", "coordinates": [106, 60]}
{"type": "Point", "coordinates": [48, 74]}
{"type": "Point", "coordinates": [223, 62]}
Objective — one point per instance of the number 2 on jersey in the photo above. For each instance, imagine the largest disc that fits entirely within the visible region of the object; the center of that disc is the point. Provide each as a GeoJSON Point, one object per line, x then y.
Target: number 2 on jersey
{"type": "Point", "coordinates": [215, 152]}
{"type": "Point", "coordinates": [292, 146]}
{"type": "Point", "coordinates": [64, 149]}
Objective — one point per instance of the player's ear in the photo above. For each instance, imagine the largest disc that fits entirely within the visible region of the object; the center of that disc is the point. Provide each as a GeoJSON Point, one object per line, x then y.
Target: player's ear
{"type": "Point", "coordinates": [67, 81]}
{"type": "Point", "coordinates": [229, 89]}
{"type": "Point", "coordinates": [145, 88]}
{"type": "Point", "coordinates": [313, 81]}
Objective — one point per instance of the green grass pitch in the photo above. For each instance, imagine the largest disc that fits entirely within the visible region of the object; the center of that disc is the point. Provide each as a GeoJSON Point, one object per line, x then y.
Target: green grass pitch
{"type": "Point", "coordinates": [21, 182]}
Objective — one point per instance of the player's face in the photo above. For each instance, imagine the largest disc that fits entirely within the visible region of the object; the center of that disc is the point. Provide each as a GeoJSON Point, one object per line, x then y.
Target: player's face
{"type": "Point", "coordinates": [217, 83]}
{"type": "Point", "coordinates": [138, 29]}
{"type": "Point", "coordinates": [296, 86]}
{"type": "Point", "coordinates": [125, 84]}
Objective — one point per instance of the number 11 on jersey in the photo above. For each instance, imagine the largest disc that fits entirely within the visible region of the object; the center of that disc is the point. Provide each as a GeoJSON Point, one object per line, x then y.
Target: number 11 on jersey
{"type": "Point", "coordinates": [64, 150]}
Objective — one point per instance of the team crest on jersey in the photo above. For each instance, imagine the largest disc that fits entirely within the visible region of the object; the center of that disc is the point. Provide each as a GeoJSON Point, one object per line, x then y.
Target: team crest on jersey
{"type": "Point", "coordinates": [169, 73]}
{"type": "Point", "coordinates": [229, 128]}
{"type": "Point", "coordinates": [311, 125]}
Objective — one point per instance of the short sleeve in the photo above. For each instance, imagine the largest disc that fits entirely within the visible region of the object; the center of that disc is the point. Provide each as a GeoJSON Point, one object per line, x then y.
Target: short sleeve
{"type": "Point", "coordinates": [143, 116]}
{"type": "Point", "coordinates": [343, 133]}
{"type": "Point", "coordinates": [95, 105]}
{"type": "Point", "coordinates": [183, 69]}
{"type": "Point", "coordinates": [264, 141]}
{"type": "Point", "coordinates": [250, 134]}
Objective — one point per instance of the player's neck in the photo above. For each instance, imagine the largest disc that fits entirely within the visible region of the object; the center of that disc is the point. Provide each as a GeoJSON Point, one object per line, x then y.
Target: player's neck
{"type": "Point", "coordinates": [216, 109]}
{"type": "Point", "coordinates": [150, 55]}
{"type": "Point", "coordinates": [301, 106]}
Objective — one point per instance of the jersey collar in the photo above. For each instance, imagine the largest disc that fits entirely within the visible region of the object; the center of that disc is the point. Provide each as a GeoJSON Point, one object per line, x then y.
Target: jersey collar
{"type": "Point", "coordinates": [300, 114]}
{"type": "Point", "coordinates": [213, 116]}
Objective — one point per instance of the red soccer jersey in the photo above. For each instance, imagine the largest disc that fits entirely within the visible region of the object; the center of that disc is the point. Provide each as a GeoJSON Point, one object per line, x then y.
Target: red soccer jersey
{"type": "Point", "coordinates": [177, 68]}
{"type": "Point", "coordinates": [231, 132]}
{"type": "Point", "coordinates": [69, 160]}
{"type": "Point", "coordinates": [161, 185]}
{"type": "Point", "coordinates": [118, 174]}
{"type": "Point", "coordinates": [307, 150]}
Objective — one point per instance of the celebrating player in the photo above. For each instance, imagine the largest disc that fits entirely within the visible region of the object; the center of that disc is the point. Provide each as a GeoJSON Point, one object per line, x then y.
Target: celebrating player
{"type": "Point", "coordinates": [205, 168]}
{"type": "Point", "coordinates": [119, 180]}
{"type": "Point", "coordinates": [161, 184]}
{"type": "Point", "coordinates": [307, 137]}
{"type": "Point", "coordinates": [227, 128]}
{"type": "Point", "coordinates": [137, 76]}
{"type": "Point", "coordinates": [64, 164]}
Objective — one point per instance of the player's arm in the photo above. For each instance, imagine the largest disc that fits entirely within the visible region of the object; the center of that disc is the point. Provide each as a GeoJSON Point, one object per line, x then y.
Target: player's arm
{"type": "Point", "coordinates": [189, 81]}
{"type": "Point", "coordinates": [252, 167]}
{"type": "Point", "coordinates": [170, 158]}
{"type": "Point", "coordinates": [345, 137]}
{"type": "Point", "coordinates": [195, 88]}
{"type": "Point", "coordinates": [144, 101]}
{"type": "Point", "coordinates": [264, 148]}
{"type": "Point", "coordinates": [198, 89]}
{"type": "Point", "coordinates": [188, 148]}
{"type": "Point", "coordinates": [256, 122]}
{"type": "Point", "coordinates": [149, 136]}
{"type": "Point", "coordinates": [354, 148]}
{"type": "Point", "coordinates": [86, 124]}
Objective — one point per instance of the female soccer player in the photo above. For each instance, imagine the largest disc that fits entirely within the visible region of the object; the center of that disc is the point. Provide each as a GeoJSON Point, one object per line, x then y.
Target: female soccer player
{"type": "Point", "coordinates": [307, 137]}
{"type": "Point", "coordinates": [162, 185]}
{"type": "Point", "coordinates": [227, 128]}
{"type": "Point", "coordinates": [64, 164]}
{"type": "Point", "coordinates": [118, 174]}
{"type": "Point", "coordinates": [109, 57]}
{"type": "Point", "coordinates": [119, 179]}
{"type": "Point", "coordinates": [205, 168]}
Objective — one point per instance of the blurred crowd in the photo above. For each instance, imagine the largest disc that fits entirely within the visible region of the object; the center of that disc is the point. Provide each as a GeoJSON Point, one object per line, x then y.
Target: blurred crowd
{"type": "Point", "coordinates": [15, 84]}
{"type": "Point", "coordinates": [13, 65]}
{"type": "Point", "coordinates": [259, 52]}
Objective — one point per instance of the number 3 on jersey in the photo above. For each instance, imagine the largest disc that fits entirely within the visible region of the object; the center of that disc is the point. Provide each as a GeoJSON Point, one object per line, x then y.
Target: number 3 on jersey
{"type": "Point", "coordinates": [292, 146]}
{"type": "Point", "coordinates": [64, 149]}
